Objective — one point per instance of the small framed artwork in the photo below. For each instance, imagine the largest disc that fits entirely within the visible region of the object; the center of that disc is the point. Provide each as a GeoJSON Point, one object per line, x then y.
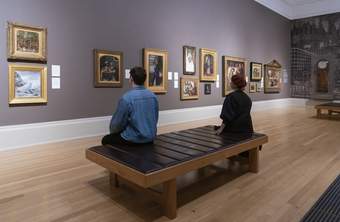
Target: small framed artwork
{"type": "Point", "coordinates": [258, 87]}
{"type": "Point", "coordinates": [231, 66]}
{"type": "Point", "coordinates": [189, 88]}
{"type": "Point", "coordinates": [156, 67]}
{"type": "Point", "coordinates": [252, 87]}
{"type": "Point", "coordinates": [27, 84]}
{"type": "Point", "coordinates": [272, 77]}
{"type": "Point", "coordinates": [207, 89]}
{"type": "Point", "coordinates": [26, 42]}
{"type": "Point", "coordinates": [108, 68]}
{"type": "Point", "coordinates": [255, 71]}
{"type": "Point", "coordinates": [189, 60]}
{"type": "Point", "coordinates": [208, 65]}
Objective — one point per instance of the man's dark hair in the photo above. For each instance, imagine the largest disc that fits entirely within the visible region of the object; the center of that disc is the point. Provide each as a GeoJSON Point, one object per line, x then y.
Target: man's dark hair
{"type": "Point", "coordinates": [138, 75]}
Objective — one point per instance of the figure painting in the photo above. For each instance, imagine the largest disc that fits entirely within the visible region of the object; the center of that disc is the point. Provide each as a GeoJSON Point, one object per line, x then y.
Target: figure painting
{"type": "Point", "coordinates": [232, 66]}
{"type": "Point", "coordinates": [272, 77]}
{"type": "Point", "coordinates": [208, 65]}
{"type": "Point", "coordinates": [189, 88]}
{"type": "Point", "coordinates": [189, 60]}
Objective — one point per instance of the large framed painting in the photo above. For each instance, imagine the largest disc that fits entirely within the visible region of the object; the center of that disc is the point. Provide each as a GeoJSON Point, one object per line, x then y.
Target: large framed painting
{"type": "Point", "coordinates": [272, 77]}
{"type": "Point", "coordinates": [208, 64]}
{"type": "Point", "coordinates": [189, 88]}
{"type": "Point", "coordinates": [108, 68]}
{"type": "Point", "coordinates": [27, 84]}
{"type": "Point", "coordinates": [232, 66]}
{"type": "Point", "coordinates": [189, 60]}
{"type": "Point", "coordinates": [156, 67]}
{"type": "Point", "coordinates": [26, 42]}
{"type": "Point", "coordinates": [255, 71]}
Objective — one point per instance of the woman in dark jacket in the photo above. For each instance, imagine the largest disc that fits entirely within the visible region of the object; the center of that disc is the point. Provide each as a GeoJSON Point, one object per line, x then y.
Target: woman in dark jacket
{"type": "Point", "coordinates": [236, 109]}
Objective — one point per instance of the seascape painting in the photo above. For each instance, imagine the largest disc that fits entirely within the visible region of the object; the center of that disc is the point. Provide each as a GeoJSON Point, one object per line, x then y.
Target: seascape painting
{"type": "Point", "coordinates": [27, 84]}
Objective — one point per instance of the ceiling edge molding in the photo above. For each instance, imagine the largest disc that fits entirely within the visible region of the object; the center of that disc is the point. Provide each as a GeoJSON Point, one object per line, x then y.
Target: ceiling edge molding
{"type": "Point", "coordinates": [278, 7]}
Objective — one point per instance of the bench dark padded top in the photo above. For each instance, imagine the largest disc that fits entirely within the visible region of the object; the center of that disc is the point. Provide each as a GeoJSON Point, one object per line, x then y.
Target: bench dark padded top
{"type": "Point", "coordinates": [172, 148]}
{"type": "Point", "coordinates": [330, 104]}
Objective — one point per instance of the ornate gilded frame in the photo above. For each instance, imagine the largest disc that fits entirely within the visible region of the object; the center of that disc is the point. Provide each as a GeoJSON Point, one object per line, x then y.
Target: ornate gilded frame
{"type": "Point", "coordinates": [226, 79]}
{"type": "Point", "coordinates": [197, 83]}
{"type": "Point", "coordinates": [213, 53]}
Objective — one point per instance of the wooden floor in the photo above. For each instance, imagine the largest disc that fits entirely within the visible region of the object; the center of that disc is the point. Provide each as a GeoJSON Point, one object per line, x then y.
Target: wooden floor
{"type": "Point", "coordinates": [56, 183]}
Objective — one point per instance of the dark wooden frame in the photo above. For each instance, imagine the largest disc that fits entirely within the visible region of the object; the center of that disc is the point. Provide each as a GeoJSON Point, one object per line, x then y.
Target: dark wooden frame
{"type": "Point", "coordinates": [185, 72]}
{"type": "Point", "coordinates": [206, 92]}
{"type": "Point", "coordinates": [251, 71]}
{"type": "Point", "coordinates": [120, 172]}
{"type": "Point", "coordinates": [97, 82]}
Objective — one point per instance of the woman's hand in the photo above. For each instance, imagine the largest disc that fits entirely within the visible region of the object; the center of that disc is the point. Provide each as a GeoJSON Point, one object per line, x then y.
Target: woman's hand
{"type": "Point", "coordinates": [220, 129]}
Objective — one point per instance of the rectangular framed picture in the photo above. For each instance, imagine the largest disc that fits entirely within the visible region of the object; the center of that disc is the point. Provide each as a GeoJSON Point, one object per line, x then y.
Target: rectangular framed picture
{"type": "Point", "coordinates": [208, 65]}
{"type": "Point", "coordinates": [252, 87]}
{"type": "Point", "coordinates": [156, 67]}
{"type": "Point", "coordinates": [26, 42]}
{"type": "Point", "coordinates": [258, 87]}
{"type": "Point", "coordinates": [255, 71]}
{"type": "Point", "coordinates": [207, 89]}
{"type": "Point", "coordinates": [189, 88]}
{"type": "Point", "coordinates": [232, 66]}
{"type": "Point", "coordinates": [189, 60]}
{"type": "Point", "coordinates": [272, 77]}
{"type": "Point", "coordinates": [27, 84]}
{"type": "Point", "coordinates": [108, 68]}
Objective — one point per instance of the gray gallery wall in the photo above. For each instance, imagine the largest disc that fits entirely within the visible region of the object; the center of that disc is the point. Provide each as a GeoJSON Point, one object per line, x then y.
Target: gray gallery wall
{"type": "Point", "coordinates": [233, 27]}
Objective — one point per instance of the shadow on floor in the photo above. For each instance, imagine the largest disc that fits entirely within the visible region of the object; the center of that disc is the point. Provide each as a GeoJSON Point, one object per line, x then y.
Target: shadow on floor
{"type": "Point", "coordinates": [190, 187]}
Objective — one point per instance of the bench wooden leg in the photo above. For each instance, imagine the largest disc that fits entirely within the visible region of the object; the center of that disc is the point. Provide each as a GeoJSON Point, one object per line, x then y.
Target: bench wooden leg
{"type": "Point", "coordinates": [254, 160]}
{"type": "Point", "coordinates": [169, 199]}
{"type": "Point", "coordinates": [114, 181]}
{"type": "Point", "coordinates": [330, 112]}
{"type": "Point", "coordinates": [318, 113]}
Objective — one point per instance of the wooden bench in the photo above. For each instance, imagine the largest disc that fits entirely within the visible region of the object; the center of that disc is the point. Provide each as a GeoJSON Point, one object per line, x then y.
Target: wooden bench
{"type": "Point", "coordinates": [172, 155]}
{"type": "Point", "coordinates": [330, 107]}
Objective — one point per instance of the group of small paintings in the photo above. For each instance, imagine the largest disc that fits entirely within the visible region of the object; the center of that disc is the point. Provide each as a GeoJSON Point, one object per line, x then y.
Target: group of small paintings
{"type": "Point", "coordinates": [27, 83]}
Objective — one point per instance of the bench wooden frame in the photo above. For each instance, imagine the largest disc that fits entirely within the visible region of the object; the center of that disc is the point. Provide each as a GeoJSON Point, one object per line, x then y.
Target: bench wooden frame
{"type": "Point", "coordinates": [330, 107]}
{"type": "Point", "coordinates": [167, 176]}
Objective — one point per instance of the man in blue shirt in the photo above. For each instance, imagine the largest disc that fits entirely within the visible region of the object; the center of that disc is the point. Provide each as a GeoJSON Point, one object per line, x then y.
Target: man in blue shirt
{"type": "Point", "coordinates": [136, 117]}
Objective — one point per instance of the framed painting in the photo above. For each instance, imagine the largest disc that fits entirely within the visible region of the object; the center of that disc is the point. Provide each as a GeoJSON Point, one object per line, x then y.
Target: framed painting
{"type": "Point", "coordinates": [252, 87]}
{"type": "Point", "coordinates": [108, 68]}
{"type": "Point", "coordinates": [207, 89]}
{"type": "Point", "coordinates": [255, 71]}
{"type": "Point", "coordinates": [27, 84]}
{"type": "Point", "coordinates": [272, 77]}
{"type": "Point", "coordinates": [231, 66]}
{"type": "Point", "coordinates": [156, 67]}
{"type": "Point", "coordinates": [27, 43]}
{"type": "Point", "coordinates": [258, 87]}
{"type": "Point", "coordinates": [208, 64]}
{"type": "Point", "coordinates": [189, 88]}
{"type": "Point", "coordinates": [189, 60]}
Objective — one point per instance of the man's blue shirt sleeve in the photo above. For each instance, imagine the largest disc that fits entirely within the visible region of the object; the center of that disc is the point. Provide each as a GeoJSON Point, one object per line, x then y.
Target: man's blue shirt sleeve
{"type": "Point", "coordinates": [120, 118]}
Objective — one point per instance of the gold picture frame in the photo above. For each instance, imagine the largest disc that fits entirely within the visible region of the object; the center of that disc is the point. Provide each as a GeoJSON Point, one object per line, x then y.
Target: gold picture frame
{"type": "Point", "coordinates": [156, 67]}
{"type": "Point", "coordinates": [208, 65]}
{"type": "Point", "coordinates": [255, 71]}
{"type": "Point", "coordinates": [108, 68]}
{"type": "Point", "coordinates": [27, 43]}
{"type": "Point", "coordinates": [190, 88]}
{"type": "Point", "coordinates": [252, 87]}
{"type": "Point", "coordinates": [27, 84]}
{"type": "Point", "coordinates": [272, 77]}
{"type": "Point", "coordinates": [232, 66]}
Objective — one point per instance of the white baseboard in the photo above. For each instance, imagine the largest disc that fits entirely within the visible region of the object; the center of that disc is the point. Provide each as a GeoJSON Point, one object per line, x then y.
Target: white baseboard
{"type": "Point", "coordinates": [49, 132]}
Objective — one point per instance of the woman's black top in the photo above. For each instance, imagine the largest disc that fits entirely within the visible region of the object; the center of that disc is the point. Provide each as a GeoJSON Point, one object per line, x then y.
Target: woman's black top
{"type": "Point", "coordinates": [236, 113]}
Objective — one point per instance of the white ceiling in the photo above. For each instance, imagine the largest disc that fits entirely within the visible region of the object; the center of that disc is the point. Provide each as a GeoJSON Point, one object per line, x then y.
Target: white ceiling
{"type": "Point", "coordinates": [295, 9]}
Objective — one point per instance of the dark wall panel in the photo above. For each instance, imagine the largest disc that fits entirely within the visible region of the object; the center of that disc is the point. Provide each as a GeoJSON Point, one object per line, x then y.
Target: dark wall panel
{"type": "Point", "coordinates": [237, 28]}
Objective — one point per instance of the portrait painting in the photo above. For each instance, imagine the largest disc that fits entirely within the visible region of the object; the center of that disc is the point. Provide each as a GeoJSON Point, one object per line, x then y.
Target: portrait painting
{"type": "Point", "coordinates": [189, 88]}
{"type": "Point", "coordinates": [207, 89]}
{"type": "Point", "coordinates": [27, 84]}
{"type": "Point", "coordinates": [26, 42]}
{"type": "Point", "coordinates": [208, 65]}
{"type": "Point", "coordinates": [255, 71]}
{"type": "Point", "coordinates": [156, 67]}
{"type": "Point", "coordinates": [232, 66]}
{"type": "Point", "coordinates": [272, 77]}
{"type": "Point", "coordinates": [108, 68]}
{"type": "Point", "coordinates": [252, 87]}
{"type": "Point", "coordinates": [189, 60]}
